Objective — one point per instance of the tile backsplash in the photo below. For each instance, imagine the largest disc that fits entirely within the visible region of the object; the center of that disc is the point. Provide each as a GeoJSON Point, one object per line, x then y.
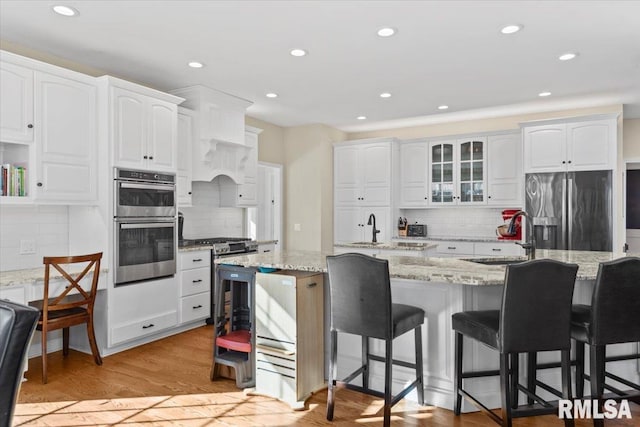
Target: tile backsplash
{"type": "Point", "coordinates": [457, 222]}
{"type": "Point", "coordinates": [206, 218]}
{"type": "Point", "coordinates": [47, 226]}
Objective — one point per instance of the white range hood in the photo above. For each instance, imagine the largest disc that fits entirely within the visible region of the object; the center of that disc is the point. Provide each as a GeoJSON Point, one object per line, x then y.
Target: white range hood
{"type": "Point", "coordinates": [219, 133]}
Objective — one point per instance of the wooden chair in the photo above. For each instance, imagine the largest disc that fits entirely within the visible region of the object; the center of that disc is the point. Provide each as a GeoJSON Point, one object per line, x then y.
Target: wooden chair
{"type": "Point", "coordinates": [68, 309]}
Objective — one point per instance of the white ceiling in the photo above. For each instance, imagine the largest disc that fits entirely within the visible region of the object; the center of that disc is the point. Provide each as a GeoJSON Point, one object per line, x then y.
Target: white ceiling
{"type": "Point", "coordinates": [445, 52]}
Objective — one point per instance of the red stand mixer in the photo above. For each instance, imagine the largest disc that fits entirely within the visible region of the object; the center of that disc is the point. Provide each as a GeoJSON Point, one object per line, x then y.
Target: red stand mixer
{"type": "Point", "coordinates": [507, 214]}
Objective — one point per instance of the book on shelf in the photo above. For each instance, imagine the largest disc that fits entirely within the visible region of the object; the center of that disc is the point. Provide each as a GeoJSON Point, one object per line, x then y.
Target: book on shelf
{"type": "Point", "coordinates": [14, 180]}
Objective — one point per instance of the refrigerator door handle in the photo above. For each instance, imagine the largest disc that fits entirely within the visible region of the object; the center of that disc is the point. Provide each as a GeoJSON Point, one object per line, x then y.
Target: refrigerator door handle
{"type": "Point", "coordinates": [563, 219]}
{"type": "Point", "coordinates": [570, 213]}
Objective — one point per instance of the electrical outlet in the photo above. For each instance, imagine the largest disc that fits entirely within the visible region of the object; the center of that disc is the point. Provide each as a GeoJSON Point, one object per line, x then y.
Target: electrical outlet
{"type": "Point", "coordinates": [296, 227]}
{"type": "Point", "coordinates": [27, 246]}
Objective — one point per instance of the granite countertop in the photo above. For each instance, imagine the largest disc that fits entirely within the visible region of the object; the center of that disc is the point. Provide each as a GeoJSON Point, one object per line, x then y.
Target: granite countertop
{"type": "Point", "coordinates": [454, 239]}
{"type": "Point", "coordinates": [35, 275]}
{"type": "Point", "coordinates": [404, 246]}
{"type": "Point", "coordinates": [429, 269]}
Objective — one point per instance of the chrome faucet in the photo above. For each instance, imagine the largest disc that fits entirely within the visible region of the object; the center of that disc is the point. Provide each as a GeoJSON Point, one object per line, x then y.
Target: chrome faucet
{"type": "Point", "coordinates": [374, 231]}
{"type": "Point", "coordinates": [530, 246]}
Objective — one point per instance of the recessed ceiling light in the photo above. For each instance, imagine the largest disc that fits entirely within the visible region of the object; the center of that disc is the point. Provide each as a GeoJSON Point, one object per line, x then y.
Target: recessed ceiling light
{"type": "Point", "coordinates": [443, 107]}
{"type": "Point", "coordinates": [361, 117]}
{"type": "Point", "coordinates": [65, 10]}
{"type": "Point", "coordinates": [196, 64]}
{"type": "Point", "coordinates": [567, 56]}
{"type": "Point", "coordinates": [386, 32]}
{"type": "Point", "coordinates": [385, 95]}
{"type": "Point", "coordinates": [271, 95]}
{"type": "Point", "coordinates": [298, 52]}
{"type": "Point", "coordinates": [510, 29]}
{"type": "Point", "coordinates": [543, 94]}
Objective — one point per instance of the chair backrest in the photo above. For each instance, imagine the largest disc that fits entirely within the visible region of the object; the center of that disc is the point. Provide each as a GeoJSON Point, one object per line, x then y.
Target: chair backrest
{"type": "Point", "coordinates": [17, 323]}
{"type": "Point", "coordinates": [67, 298]}
{"type": "Point", "coordinates": [360, 294]}
{"type": "Point", "coordinates": [615, 305]}
{"type": "Point", "coordinates": [536, 306]}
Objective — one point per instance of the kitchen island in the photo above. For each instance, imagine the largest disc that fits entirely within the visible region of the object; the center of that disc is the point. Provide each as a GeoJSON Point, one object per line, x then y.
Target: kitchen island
{"type": "Point", "coordinates": [443, 286]}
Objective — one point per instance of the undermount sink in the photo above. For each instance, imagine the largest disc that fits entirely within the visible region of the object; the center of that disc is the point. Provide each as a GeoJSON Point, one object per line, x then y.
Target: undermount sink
{"type": "Point", "coordinates": [496, 261]}
{"type": "Point", "coordinates": [366, 243]}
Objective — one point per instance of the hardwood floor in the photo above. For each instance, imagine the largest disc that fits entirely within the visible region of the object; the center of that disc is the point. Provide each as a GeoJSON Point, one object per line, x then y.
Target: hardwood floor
{"type": "Point", "coordinates": [167, 383]}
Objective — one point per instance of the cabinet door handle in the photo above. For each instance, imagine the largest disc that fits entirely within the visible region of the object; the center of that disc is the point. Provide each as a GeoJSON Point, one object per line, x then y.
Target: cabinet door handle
{"type": "Point", "coordinates": [150, 325]}
{"type": "Point", "coordinates": [239, 195]}
{"type": "Point", "coordinates": [150, 157]}
{"type": "Point", "coordinates": [496, 250]}
{"type": "Point", "coordinates": [266, 250]}
{"type": "Point", "coordinates": [312, 285]}
{"type": "Point", "coordinates": [196, 281]}
{"type": "Point", "coordinates": [451, 247]}
{"type": "Point", "coordinates": [563, 162]}
{"type": "Point", "coordinates": [145, 157]}
{"type": "Point", "coordinates": [30, 126]}
{"type": "Point", "coordinates": [39, 184]}
{"type": "Point", "coordinates": [189, 193]}
{"type": "Point", "coordinates": [195, 307]}
{"type": "Point", "coordinates": [197, 260]}
{"type": "Point", "coordinates": [569, 161]}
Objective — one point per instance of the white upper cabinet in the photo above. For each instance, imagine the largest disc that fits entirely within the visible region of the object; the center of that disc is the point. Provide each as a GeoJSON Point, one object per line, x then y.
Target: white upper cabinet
{"type": "Point", "coordinates": [362, 174]}
{"type": "Point", "coordinates": [414, 174]}
{"type": "Point", "coordinates": [504, 170]}
{"type": "Point", "coordinates": [458, 171]}
{"type": "Point", "coordinates": [16, 103]}
{"type": "Point", "coordinates": [66, 135]}
{"type": "Point", "coordinates": [219, 133]}
{"type": "Point", "coordinates": [144, 124]}
{"type": "Point", "coordinates": [185, 141]}
{"type": "Point", "coordinates": [442, 169]}
{"type": "Point", "coordinates": [570, 146]}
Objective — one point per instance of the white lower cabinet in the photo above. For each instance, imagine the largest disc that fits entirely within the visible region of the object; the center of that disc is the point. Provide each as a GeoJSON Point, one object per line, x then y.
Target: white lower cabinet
{"type": "Point", "coordinates": [497, 249]}
{"type": "Point", "coordinates": [195, 285]}
{"type": "Point", "coordinates": [454, 249]}
{"type": "Point", "coordinates": [289, 335]}
{"type": "Point", "coordinates": [148, 307]}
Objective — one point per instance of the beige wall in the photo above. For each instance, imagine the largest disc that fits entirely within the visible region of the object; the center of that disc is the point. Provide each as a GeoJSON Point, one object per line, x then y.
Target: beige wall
{"type": "Point", "coordinates": [270, 141]}
{"type": "Point", "coordinates": [631, 137]}
{"type": "Point", "coordinates": [309, 186]}
{"type": "Point", "coordinates": [482, 125]}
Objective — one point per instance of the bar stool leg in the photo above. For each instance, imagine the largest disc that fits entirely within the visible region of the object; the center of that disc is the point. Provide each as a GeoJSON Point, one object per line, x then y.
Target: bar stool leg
{"type": "Point", "coordinates": [515, 377]}
{"type": "Point", "coordinates": [387, 382]}
{"type": "Point", "coordinates": [532, 361]}
{"type": "Point", "coordinates": [596, 356]}
{"type": "Point", "coordinates": [419, 373]}
{"type": "Point", "coordinates": [332, 374]}
{"type": "Point", "coordinates": [566, 381]}
{"type": "Point", "coordinates": [505, 390]}
{"type": "Point", "coordinates": [365, 362]}
{"type": "Point", "coordinates": [457, 375]}
{"type": "Point", "coordinates": [579, 369]}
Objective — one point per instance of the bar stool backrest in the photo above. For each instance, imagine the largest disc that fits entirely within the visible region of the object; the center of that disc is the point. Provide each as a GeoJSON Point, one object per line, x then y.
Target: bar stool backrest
{"type": "Point", "coordinates": [615, 307]}
{"type": "Point", "coordinates": [536, 306]}
{"type": "Point", "coordinates": [360, 294]}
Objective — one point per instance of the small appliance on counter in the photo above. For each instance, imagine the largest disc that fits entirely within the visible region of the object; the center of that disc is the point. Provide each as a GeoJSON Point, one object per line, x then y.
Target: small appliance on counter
{"type": "Point", "coordinates": [501, 231]}
{"type": "Point", "coordinates": [417, 230]}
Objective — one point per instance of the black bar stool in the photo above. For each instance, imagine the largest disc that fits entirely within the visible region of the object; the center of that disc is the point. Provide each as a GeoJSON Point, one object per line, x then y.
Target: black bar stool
{"type": "Point", "coordinates": [361, 304]}
{"type": "Point", "coordinates": [612, 318]}
{"type": "Point", "coordinates": [535, 316]}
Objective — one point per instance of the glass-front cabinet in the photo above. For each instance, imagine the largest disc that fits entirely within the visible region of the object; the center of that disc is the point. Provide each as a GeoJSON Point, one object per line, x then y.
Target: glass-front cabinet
{"type": "Point", "coordinates": [458, 172]}
{"type": "Point", "coordinates": [442, 164]}
{"type": "Point", "coordinates": [472, 181]}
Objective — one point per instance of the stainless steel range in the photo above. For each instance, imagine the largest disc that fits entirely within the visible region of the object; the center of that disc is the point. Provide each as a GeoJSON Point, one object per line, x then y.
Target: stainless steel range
{"type": "Point", "coordinates": [221, 247]}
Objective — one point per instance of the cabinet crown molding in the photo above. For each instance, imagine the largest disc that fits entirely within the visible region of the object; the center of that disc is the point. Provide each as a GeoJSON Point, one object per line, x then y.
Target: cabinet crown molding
{"type": "Point", "coordinates": [569, 119]}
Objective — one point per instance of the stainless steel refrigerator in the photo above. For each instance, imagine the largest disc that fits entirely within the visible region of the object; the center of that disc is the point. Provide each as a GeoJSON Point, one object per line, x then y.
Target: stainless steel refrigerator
{"type": "Point", "coordinates": [571, 210]}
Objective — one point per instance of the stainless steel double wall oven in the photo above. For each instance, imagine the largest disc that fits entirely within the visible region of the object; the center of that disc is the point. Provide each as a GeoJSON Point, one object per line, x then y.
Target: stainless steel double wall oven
{"type": "Point", "coordinates": [145, 225]}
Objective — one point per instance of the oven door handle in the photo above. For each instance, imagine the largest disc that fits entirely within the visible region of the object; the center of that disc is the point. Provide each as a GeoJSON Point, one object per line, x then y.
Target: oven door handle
{"type": "Point", "coordinates": [128, 226]}
{"type": "Point", "coordinates": [147, 186]}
